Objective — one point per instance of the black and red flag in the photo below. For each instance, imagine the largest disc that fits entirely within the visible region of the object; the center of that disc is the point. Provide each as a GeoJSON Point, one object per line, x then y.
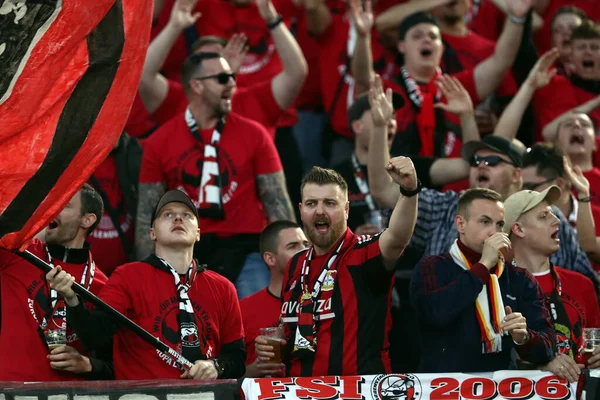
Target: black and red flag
{"type": "Point", "coordinates": [69, 71]}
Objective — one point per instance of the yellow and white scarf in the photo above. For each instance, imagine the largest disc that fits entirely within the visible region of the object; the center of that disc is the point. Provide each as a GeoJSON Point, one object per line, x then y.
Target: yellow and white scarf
{"type": "Point", "coordinates": [489, 304]}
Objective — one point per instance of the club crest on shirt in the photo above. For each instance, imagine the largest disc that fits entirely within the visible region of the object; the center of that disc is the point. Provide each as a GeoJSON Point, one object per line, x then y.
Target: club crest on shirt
{"type": "Point", "coordinates": [329, 281]}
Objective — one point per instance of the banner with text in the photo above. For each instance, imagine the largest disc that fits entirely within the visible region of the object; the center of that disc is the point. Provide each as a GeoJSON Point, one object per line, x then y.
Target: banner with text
{"type": "Point", "coordinates": [498, 385]}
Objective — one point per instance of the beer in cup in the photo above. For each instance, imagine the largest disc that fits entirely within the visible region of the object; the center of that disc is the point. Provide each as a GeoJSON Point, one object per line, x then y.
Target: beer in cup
{"type": "Point", "coordinates": [591, 340]}
{"type": "Point", "coordinates": [274, 337]}
{"type": "Point", "coordinates": [56, 338]}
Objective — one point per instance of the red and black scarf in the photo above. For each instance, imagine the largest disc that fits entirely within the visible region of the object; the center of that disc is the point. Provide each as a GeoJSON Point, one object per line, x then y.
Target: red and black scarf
{"type": "Point", "coordinates": [210, 189]}
{"type": "Point", "coordinates": [568, 336]}
{"type": "Point", "coordinates": [430, 122]}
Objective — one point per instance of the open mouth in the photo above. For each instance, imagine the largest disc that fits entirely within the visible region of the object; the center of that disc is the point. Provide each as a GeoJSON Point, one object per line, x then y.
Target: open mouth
{"type": "Point", "coordinates": [322, 226]}
{"type": "Point", "coordinates": [53, 225]}
{"type": "Point", "coordinates": [588, 64]}
{"type": "Point", "coordinates": [555, 235]}
{"type": "Point", "coordinates": [426, 52]}
{"type": "Point", "coordinates": [452, 3]}
{"type": "Point", "coordinates": [483, 178]}
{"type": "Point", "coordinates": [577, 139]}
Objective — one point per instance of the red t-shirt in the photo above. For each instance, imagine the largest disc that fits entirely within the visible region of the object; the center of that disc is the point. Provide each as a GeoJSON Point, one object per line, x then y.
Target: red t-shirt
{"type": "Point", "coordinates": [255, 102]}
{"type": "Point", "coordinates": [578, 296]}
{"type": "Point", "coordinates": [174, 156]}
{"type": "Point", "coordinates": [354, 323]}
{"type": "Point", "coordinates": [106, 244]}
{"type": "Point", "coordinates": [148, 296]}
{"type": "Point", "coordinates": [470, 51]}
{"type": "Point", "coordinates": [139, 123]}
{"type": "Point", "coordinates": [223, 18]}
{"type": "Point", "coordinates": [333, 56]}
{"type": "Point", "coordinates": [593, 176]}
{"type": "Point", "coordinates": [560, 96]}
{"type": "Point", "coordinates": [260, 310]}
{"type": "Point", "coordinates": [489, 21]}
{"type": "Point", "coordinates": [543, 37]}
{"type": "Point", "coordinates": [25, 301]}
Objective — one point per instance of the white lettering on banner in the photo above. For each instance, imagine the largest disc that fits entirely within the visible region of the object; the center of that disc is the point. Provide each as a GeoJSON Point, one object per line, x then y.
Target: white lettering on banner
{"type": "Point", "coordinates": [130, 396]}
{"type": "Point", "coordinates": [487, 386]}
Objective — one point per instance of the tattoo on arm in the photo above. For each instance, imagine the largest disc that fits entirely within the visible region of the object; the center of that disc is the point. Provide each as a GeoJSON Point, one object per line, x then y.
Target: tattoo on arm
{"type": "Point", "coordinates": [149, 194]}
{"type": "Point", "coordinates": [275, 199]}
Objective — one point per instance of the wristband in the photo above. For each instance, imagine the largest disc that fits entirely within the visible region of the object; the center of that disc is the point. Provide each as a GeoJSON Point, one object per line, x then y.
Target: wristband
{"type": "Point", "coordinates": [218, 366]}
{"type": "Point", "coordinates": [585, 199]}
{"type": "Point", "coordinates": [411, 193]}
{"type": "Point", "coordinates": [517, 20]}
{"type": "Point", "coordinates": [275, 23]}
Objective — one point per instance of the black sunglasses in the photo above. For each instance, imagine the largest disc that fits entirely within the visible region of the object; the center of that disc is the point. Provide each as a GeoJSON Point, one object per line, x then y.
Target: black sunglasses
{"type": "Point", "coordinates": [490, 161]}
{"type": "Point", "coordinates": [222, 77]}
{"type": "Point", "coordinates": [534, 185]}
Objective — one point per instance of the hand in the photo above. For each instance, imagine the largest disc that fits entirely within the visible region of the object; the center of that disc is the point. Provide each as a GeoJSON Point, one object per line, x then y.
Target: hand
{"type": "Point", "coordinates": [577, 179]}
{"type": "Point", "coordinates": [459, 101]}
{"type": "Point", "coordinates": [311, 5]}
{"type": "Point", "coordinates": [62, 282]}
{"type": "Point", "coordinates": [382, 109]}
{"type": "Point", "coordinates": [564, 367]}
{"type": "Point", "coordinates": [367, 229]}
{"type": "Point", "coordinates": [264, 351]}
{"type": "Point", "coordinates": [515, 324]}
{"type": "Point", "coordinates": [518, 8]}
{"type": "Point", "coordinates": [594, 361]}
{"type": "Point", "coordinates": [259, 369]}
{"type": "Point", "coordinates": [363, 19]}
{"type": "Point", "coordinates": [181, 14]}
{"type": "Point", "coordinates": [542, 72]}
{"type": "Point", "coordinates": [66, 358]}
{"type": "Point", "coordinates": [486, 121]}
{"type": "Point", "coordinates": [202, 369]}
{"type": "Point", "coordinates": [492, 247]}
{"type": "Point", "coordinates": [235, 51]}
{"type": "Point", "coordinates": [403, 172]}
{"type": "Point", "coordinates": [267, 10]}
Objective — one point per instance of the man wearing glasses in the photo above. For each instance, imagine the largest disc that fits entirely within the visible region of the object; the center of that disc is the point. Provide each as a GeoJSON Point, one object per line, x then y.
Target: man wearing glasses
{"type": "Point", "coordinates": [227, 164]}
{"type": "Point", "coordinates": [496, 163]}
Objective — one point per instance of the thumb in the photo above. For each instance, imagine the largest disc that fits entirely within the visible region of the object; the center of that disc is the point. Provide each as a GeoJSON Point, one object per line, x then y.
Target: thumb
{"type": "Point", "coordinates": [443, 106]}
{"type": "Point", "coordinates": [196, 16]}
{"type": "Point", "coordinates": [508, 310]}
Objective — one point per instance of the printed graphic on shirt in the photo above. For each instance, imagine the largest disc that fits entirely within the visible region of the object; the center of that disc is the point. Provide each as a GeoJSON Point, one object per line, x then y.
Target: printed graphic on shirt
{"type": "Point", "coordinates": [166, 325]}
{"type": "Point", "coordinates": [190, 172]}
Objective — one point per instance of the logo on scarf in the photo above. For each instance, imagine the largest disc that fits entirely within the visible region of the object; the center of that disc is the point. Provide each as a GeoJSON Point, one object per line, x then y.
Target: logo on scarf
{"type": "Point", "coordinates": [396, 387]}
{"type": "Point", "coordinates": [189, 331]}
{"type": "Point", "coordinates": [189, 173]}
{"type": "Point", "coordinates": [167, 326]}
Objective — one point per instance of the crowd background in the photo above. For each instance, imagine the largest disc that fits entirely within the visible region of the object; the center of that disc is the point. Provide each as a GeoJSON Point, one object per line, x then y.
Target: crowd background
{"type": "Point", "coordinates": [520, 76]}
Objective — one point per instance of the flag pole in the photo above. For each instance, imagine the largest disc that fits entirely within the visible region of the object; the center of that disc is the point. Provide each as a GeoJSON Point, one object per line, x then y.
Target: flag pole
{"type": "Point", "coordinates": [96, 301]}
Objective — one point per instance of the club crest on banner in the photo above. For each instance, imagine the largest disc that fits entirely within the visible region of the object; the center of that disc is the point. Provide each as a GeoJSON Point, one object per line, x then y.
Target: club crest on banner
{"type": "Point", "coordinates": [396, 387]}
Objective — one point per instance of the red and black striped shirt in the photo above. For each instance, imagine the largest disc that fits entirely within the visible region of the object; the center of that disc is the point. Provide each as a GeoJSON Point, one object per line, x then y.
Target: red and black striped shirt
{"type": "Point", "coordinates": [354, 323]}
